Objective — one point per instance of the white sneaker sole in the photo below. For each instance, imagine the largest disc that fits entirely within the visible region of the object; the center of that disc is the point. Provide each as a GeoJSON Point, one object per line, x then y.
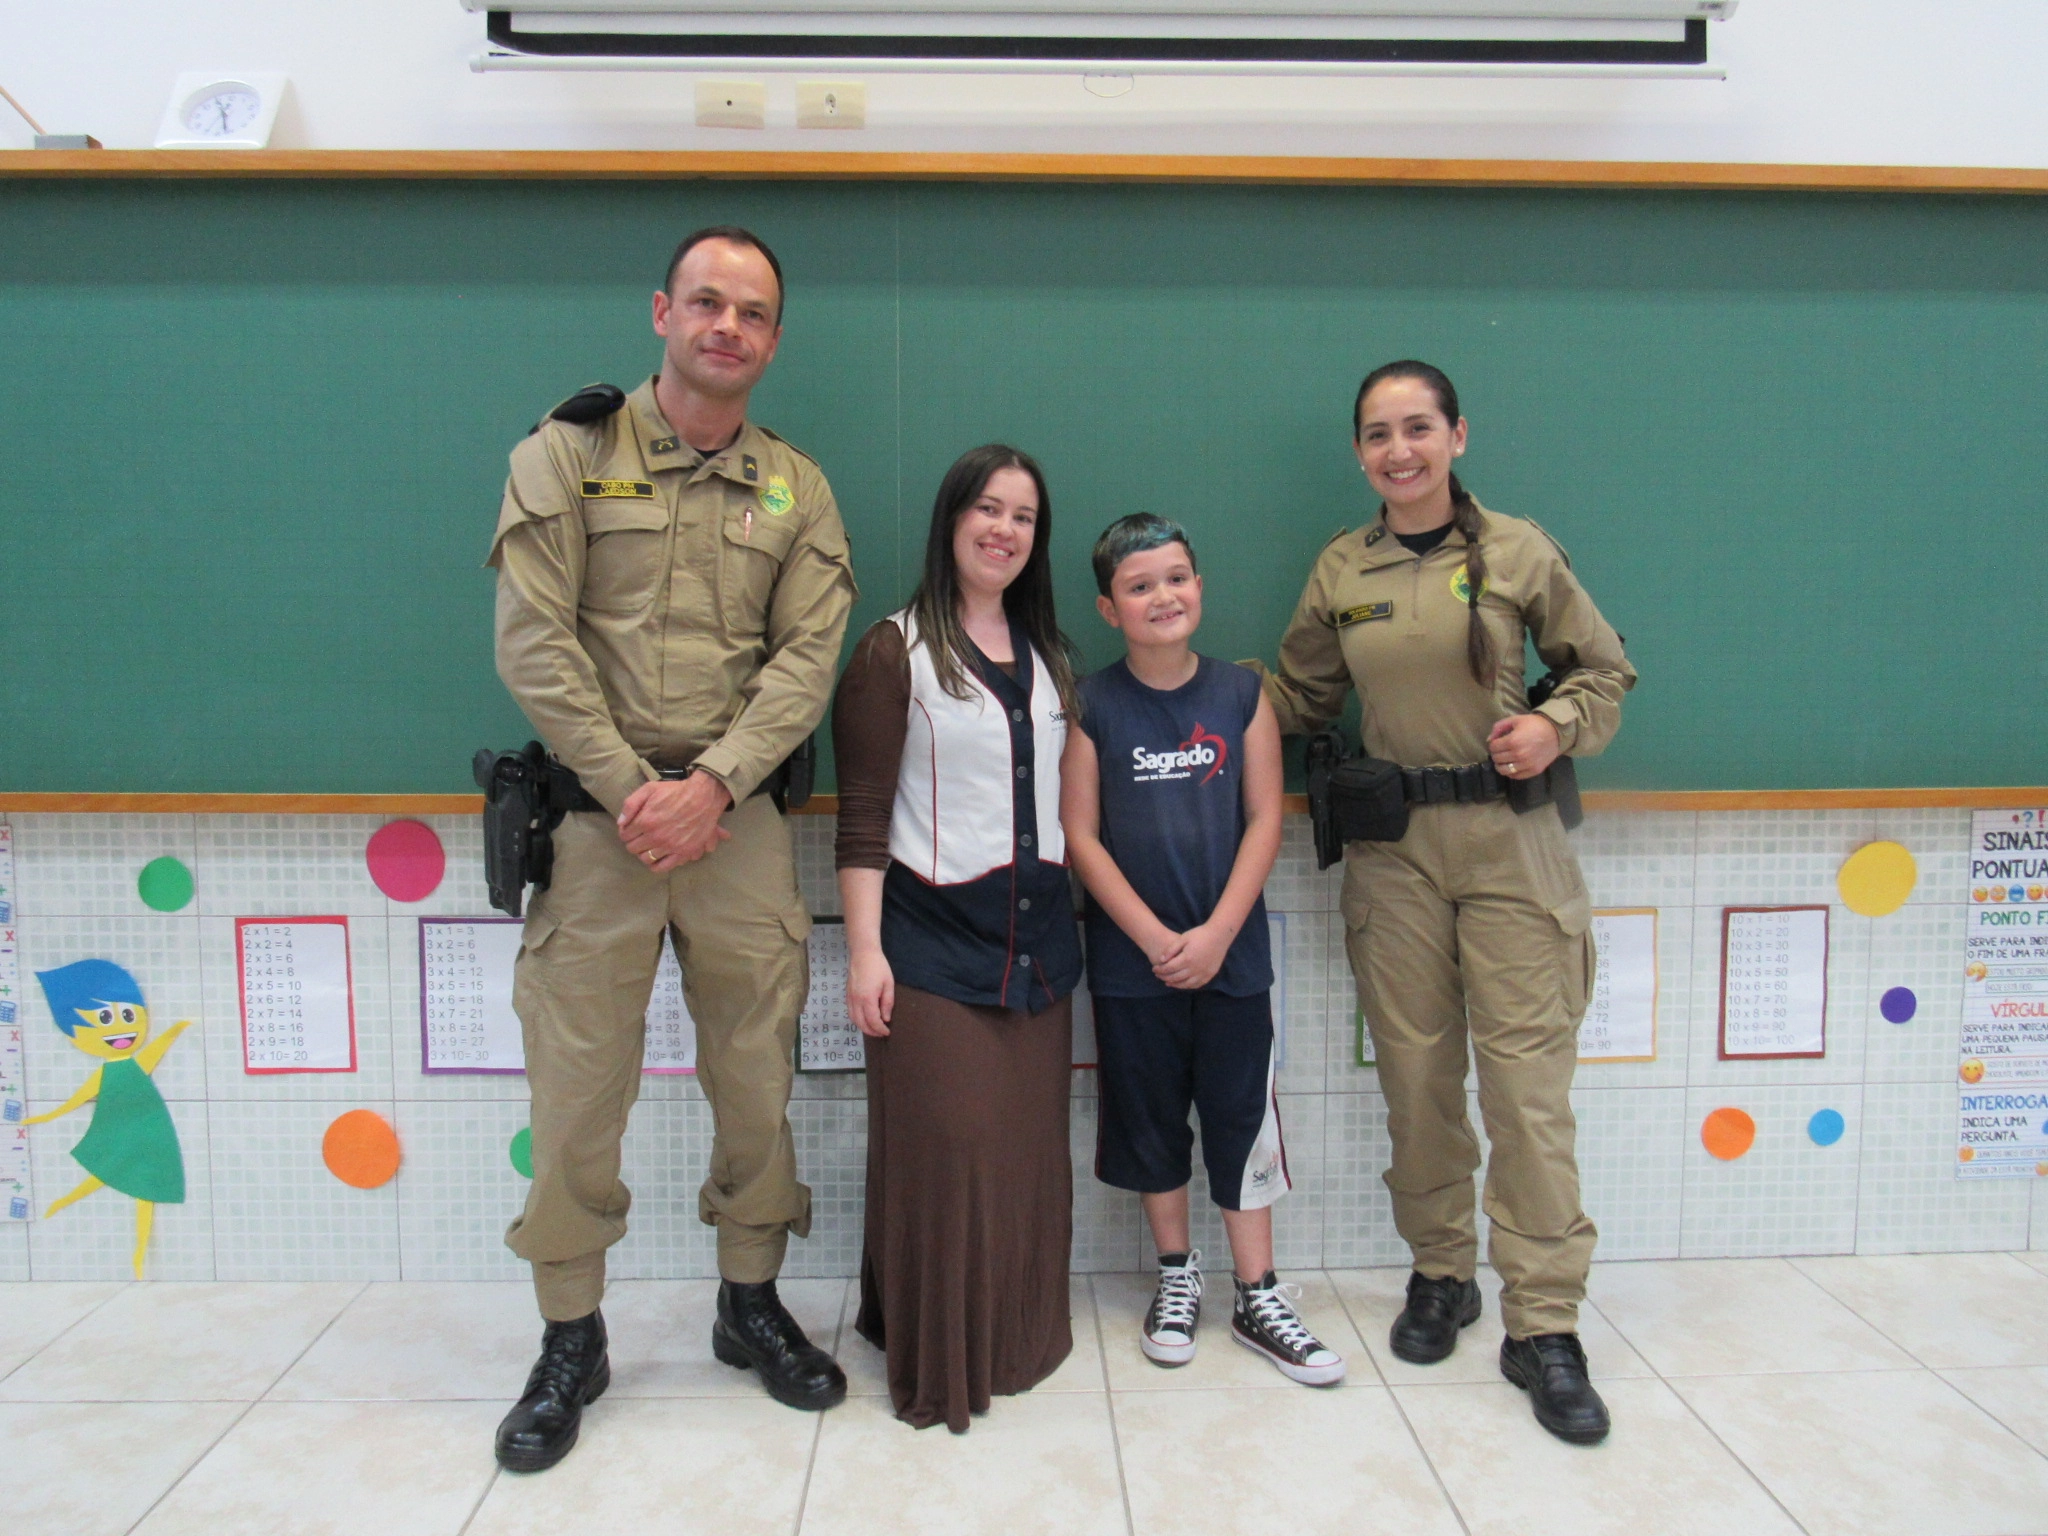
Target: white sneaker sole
{"type": "Point", "coordinates": [1166, 1354]}
{"type": "Point", "coordinates": [1307, 1375]}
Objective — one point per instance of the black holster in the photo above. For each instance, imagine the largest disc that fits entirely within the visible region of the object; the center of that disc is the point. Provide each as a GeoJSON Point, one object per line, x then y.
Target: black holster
{"type": "Point", "coordinates": [1352, 799]}
{"type": "Point", "coordinates": [522, 808]}
{"type": "Point", "coordinates": [1559, 784]}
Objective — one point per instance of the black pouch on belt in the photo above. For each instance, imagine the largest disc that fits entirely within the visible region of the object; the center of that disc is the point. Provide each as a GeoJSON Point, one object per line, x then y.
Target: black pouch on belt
{"type": "Point", "coordinates": [1352, 799]}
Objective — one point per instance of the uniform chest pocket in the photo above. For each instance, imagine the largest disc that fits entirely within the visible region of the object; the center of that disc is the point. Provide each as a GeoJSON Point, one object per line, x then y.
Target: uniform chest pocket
{"type": "Point", "coordinates": [751, 556]}
{"type": "Point", "coordinates": [625, 555]}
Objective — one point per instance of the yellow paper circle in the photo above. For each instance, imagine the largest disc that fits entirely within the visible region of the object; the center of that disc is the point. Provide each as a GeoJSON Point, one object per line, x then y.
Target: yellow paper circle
{"type": "Point", "coordinates": [1877, 878]}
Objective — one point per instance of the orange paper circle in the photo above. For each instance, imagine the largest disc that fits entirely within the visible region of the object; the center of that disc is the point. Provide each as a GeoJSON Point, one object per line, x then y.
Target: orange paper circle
{"type": "Point", "coordinates": [1727, 1134]}
{"type": "Point", "coordinates": [361, 1149]}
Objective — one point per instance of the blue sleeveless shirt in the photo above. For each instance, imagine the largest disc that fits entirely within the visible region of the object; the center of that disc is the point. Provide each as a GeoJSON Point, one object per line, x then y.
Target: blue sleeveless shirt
{"type": "Point", "coordinates": [1171, 765]}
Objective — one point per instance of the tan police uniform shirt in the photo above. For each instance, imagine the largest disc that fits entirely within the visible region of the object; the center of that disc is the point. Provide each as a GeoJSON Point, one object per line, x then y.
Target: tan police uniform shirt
{"type": "Point", "coordinates": [658, 609]}
{"type": "Point", "coordinates": [1392, 624]}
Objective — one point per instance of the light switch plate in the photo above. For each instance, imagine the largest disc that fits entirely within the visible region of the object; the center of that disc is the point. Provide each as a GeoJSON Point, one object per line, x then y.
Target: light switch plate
{"type": "Point", "coordinates": [831, 104]}
{"type": "Point", "coordinates": [732, 104]}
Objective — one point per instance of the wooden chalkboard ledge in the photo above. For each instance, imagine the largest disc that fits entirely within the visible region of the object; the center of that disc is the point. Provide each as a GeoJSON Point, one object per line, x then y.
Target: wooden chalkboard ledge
{"type": "Point", "coordinates": [827, 805]}
{"type": "Point", "coordinates": [812, 165]}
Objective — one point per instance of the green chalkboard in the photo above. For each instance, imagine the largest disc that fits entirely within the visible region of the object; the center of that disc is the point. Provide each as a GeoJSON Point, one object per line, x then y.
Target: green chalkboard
{"type": "Point", "coordinates": [252, 436]}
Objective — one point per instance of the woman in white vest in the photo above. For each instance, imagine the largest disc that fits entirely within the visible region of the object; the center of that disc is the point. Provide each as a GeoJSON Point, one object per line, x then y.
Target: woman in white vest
{"type": "Point", "coordinates": [948, 728]}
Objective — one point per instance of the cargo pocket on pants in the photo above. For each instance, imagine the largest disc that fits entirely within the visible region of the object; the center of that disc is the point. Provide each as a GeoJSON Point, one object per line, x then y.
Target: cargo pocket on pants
{"type": "Point", "coordinates": [1574, 919]}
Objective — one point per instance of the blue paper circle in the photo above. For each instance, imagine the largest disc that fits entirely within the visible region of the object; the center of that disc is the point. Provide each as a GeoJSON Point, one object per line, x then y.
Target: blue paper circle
{"type": "Point", "coordinates": [1826, 1127]}
{"type": "Point", "coordinates": [1899, 1004]}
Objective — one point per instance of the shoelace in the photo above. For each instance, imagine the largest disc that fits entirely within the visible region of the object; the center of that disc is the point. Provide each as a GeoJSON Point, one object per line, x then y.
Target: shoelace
{"type": "Point", "coordinates": [1179, 1290]}
{"type": "Point", "coordinates": [1273, 1310]}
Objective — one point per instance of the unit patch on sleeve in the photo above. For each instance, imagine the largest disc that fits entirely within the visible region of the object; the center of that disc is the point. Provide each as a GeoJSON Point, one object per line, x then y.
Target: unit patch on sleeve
{"type": "Point", "coordinates": [1364, 612]}
{"type": "Point", "coordinates": [603, 490]}
{"type": "Point", "coordinates": [776, 496]}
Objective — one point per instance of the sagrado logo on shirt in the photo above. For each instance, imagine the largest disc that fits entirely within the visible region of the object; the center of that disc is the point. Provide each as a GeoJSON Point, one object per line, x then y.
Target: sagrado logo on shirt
{"type": "Point", "coordinates": [1202, 749]}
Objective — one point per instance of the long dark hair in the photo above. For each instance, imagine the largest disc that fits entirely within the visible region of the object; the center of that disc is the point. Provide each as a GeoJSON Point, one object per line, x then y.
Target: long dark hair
{"type": "Point", "coordinates": [935, 605]}
{"type": "Point", "coordinates": [1464, 510]}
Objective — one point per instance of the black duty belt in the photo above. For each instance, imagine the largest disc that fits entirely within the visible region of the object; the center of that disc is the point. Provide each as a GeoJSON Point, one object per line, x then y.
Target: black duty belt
{"type": "Point", "coordinates": [572, 796]}
{"type": "Point", "coordinates": [1474, 783]}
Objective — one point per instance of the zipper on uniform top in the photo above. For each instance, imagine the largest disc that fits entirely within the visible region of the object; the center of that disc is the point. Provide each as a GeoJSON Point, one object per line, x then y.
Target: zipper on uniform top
{"type": "Point", "coordinates": [1414, 626]}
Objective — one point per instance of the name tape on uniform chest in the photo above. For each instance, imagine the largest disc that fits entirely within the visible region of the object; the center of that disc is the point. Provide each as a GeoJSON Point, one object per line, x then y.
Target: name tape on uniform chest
{"type": "Point", "coordinates": [1364, 613]}
{"type": "Point", "coordinates": [629, 490]}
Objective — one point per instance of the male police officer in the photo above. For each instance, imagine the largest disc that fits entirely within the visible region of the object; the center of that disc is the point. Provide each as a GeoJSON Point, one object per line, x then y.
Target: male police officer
{"type": "Point", "coordinates": [673, 583]}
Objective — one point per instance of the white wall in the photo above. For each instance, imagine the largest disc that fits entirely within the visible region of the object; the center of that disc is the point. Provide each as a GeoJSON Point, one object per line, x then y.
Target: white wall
{"type": "Point", "coordinates": [1909, 82]}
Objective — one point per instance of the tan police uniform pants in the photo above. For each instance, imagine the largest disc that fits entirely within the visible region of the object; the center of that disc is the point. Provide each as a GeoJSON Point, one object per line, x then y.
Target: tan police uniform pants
{"type": "Point", "coordinates": [1476, 925]}
{"type": "Point", "coordinates": [585, 972]}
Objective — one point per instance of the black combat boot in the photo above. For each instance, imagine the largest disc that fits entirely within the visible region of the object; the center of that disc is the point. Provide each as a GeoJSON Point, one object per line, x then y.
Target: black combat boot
{"type": "Point", "coordinates": [1427, 1329]}
{"type": "Point", "coordinates": [1551, 1368]}
{"type": "Point", "coordinates": [573, 1370]}
{"type": "Point", "coordinates": [755, 1330]}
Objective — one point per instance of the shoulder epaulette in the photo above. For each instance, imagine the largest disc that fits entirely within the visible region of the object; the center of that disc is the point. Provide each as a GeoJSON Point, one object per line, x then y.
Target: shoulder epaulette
{"type": "Point", "coordinates": [1333, 538]}
{"type": "Point", "coordinates": [1561, 553]}
{"type": "Point", "coordinates": [792, 447]}
{"type": "Point", "coordinates": [593, 402]}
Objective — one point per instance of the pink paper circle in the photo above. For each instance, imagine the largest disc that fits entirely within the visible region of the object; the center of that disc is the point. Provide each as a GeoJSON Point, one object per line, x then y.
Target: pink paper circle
{"type": "Point", "coordinates": [406, 860]}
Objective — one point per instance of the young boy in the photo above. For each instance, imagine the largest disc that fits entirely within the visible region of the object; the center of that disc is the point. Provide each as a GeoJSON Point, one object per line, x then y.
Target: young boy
{"type": "Point", "coordinates": [1170, 797]}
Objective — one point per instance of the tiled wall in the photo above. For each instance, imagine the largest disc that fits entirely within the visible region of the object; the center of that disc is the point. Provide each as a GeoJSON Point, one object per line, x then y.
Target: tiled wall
{"type": "Point", "coordinates": [261, 1205]}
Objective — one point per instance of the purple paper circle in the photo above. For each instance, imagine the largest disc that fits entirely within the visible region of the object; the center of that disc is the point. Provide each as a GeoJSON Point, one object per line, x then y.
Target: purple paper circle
{"type": "Point", "coordinates": [1899, 1004]}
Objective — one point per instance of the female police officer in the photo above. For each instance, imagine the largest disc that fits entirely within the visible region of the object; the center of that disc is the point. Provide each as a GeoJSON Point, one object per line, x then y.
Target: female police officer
{"type": "Point", "coordinates": [1475, 923]}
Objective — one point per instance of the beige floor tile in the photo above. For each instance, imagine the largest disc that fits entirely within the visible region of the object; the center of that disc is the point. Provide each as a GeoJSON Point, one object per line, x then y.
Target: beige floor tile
{"type": "Point", "coordinates": [33, 1312]}
{"type": "Point", "coordinates": [1044, 1462]}
{"type": "Point", "coordinates": [1121, 1300]}
{"type": "Point", "coordinates": [1877, 1453]}
{"type": "Point", "coordinates": [1659, 1472]}
{"type": "Point", "coordinates": [679, 1465]}
{"type": "Point", "coordinates": [1081, 1371]}
{"type": "Point", "coordinates": [1375, 1298]}
{"type": "Point", "coordinates": [661, 1335]}
{"type": "Point", "coordinates": [182, 1341]}
{"type": "Point", "coordinates": [337, 1469]}
{"type": "Point", "coordinates": [2037, 1257]}
{"type": "Point", "coordinates": [1720, 1317]}
{"type": "Point", "coordinates": [2016, 1396]}
{"type": "Point", "coordinates": [94, 1469]}
{"type": "Point", "coordinates": [1949, 1309]}
{"type": "Point", "coordinates": [1203, 1462]}
{"type": "Point", "coordinates": [421, 1341]}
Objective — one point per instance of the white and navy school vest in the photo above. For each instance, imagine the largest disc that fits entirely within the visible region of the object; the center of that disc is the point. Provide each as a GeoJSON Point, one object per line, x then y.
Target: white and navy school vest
{"type": "Point", "coordinates": [977, 905]}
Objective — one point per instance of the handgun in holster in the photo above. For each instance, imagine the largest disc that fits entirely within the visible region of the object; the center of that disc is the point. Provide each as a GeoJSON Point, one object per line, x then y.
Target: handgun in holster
{"type": "Point", "coordinates": [521, 812]}
{"type": "Point", "coordinates": [1559, 783]}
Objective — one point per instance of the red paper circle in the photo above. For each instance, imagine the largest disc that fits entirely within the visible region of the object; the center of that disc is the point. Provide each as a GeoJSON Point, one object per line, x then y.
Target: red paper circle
{"type": "Point", "coordinates": [406, 860]}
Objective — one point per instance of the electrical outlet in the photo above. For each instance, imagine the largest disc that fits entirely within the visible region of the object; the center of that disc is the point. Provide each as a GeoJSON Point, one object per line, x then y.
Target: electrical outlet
{"type": "Point", "coordinates": [732, 104]}
{"type": "Point", "coordinates": [831, 104]}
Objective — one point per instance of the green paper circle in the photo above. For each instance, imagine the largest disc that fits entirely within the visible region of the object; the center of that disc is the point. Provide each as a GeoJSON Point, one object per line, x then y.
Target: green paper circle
{"type": "Point", "coordinates": [164, 885]}
{"type": "Point", "coordinates": [522, 1151]}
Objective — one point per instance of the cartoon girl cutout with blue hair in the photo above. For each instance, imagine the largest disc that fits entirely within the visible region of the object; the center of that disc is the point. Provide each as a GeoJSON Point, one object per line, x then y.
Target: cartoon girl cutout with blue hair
{"type": "Point", "coordinates": [131, 1146]}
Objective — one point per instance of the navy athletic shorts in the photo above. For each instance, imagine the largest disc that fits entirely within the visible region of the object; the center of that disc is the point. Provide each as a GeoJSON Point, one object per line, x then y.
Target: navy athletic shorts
{"type": "Point", "coordinates": [1160, 1056]}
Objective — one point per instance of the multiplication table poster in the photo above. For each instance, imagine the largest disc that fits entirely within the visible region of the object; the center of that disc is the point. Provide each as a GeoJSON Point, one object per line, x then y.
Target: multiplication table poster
{"type": "Point", "coordinates": [298, 998]}
{"type": "Point", "coordinates": [466, 1018]}
{"type": "Point", "coordinates": [1774, 983]}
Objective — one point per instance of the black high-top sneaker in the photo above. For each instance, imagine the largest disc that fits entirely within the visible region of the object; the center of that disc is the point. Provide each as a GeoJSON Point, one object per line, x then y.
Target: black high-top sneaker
{"type": "Point", "coordinates": [1169, 1337]}
{"type": "Point", "coordinates": [1265, 1321]}
{"type": "Point", "coordinates": [754, 1330]}
{"type": "Point", "coordinates": [573, 1370]}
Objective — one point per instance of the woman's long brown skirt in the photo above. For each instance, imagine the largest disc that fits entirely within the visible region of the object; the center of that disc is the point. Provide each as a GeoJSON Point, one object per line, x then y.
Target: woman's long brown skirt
{"type": "Point", "coordinates": [970, 1203]}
